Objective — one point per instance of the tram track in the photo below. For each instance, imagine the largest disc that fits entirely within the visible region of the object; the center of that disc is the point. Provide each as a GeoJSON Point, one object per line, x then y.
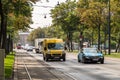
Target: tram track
{"type": "Point", "coordinates": [28, 62]}
{"type": "Point", "coordinates": [22, 68]}
{"type": "Point", "coordinates": [54, 71]}
{"type": "Point", "coordinates": [26, 68]}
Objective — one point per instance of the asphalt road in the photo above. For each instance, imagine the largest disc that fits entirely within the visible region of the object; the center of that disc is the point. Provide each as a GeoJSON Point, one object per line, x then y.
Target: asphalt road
{"type": "Point", "coordinates": [68, 70]}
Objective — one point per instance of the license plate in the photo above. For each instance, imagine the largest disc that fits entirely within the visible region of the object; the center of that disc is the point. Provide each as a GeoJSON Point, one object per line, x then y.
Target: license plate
{"type": "Point", "coordinates": [95, 59]}
{"type": "Point", "coordinates": [56, 57]}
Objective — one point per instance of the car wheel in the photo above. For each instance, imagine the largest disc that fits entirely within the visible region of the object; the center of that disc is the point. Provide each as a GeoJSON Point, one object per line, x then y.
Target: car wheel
{"type": "Point", "coordinates": [83, 60]}
{"type": "Point", "coordinates": [102, 62]}
{"type": "Point", "coordinates": [43, 58]}
{"type": "Point", "coordinates": [64, 57]}
{"type": "Point", "coordinates": [46, 58]}
{"type": "Point", "coordinates": [79, 60]}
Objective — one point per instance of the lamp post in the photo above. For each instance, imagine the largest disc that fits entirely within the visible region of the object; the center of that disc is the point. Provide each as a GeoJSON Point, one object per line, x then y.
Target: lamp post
{"type": "Point", "coordinates": [109, 29]}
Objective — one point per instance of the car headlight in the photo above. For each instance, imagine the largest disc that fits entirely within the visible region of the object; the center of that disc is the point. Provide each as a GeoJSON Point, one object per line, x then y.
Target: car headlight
{"type": "Point", "coordinates": [48, 51]}
{"type": "Point", "coordinates": [87, 57]}
{"type": "Point", "coordinates": [101, 56]}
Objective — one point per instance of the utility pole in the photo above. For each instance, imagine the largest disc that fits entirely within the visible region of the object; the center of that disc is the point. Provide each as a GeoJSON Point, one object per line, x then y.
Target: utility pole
{"type": "Point", "coordinates": [109, 29]}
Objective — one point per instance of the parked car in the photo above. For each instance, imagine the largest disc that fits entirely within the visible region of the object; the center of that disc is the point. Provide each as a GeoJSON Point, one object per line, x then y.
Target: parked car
{"type": "Point", "coordinates": [19, 46]}
{"type": "Point", "coordinates": [90, 55]}
{"type": "Point", "coordinates": [30, 48]}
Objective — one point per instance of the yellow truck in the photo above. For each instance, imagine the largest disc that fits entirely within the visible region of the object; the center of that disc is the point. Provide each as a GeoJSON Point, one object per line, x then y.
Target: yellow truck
{"type": "Point", "coordinates": [53, 49]}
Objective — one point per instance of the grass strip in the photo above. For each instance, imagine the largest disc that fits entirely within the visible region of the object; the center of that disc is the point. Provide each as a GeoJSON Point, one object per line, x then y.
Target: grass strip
{"type": "Point", "coordinates": [8, 65]}
{"type": "Point", "coordinates": [114, 55]}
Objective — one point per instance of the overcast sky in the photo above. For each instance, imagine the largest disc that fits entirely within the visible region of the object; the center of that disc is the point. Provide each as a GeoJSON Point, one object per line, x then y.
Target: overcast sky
{"type": "Point", "coordinates": [39, 12]}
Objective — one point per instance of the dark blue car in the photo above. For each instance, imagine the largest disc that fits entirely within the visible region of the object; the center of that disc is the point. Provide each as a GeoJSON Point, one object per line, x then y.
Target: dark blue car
{"type": "Point", "coordinates": [90, 55]}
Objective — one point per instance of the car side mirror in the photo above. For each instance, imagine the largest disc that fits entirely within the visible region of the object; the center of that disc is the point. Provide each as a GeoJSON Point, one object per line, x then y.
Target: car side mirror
{"type": "Point", "coordinates": [65, 48]}
{"type": "Point", "coordinates": [81, 51]}
{"type": "Point", "coordinates": [101, 52]}
{"type": "Point", "coordinates": [45, 48]}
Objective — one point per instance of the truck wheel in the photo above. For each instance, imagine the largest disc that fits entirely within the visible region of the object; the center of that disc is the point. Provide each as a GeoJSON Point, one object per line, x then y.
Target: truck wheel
{"type": "Point", "coordinates": [43, 58]}
{"type": "Point", "coordinates": [64, 59]}
{"type": "Point", "coordinates": [46, 58]}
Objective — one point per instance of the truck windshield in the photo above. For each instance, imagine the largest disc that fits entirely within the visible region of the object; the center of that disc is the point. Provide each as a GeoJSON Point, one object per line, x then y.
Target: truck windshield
{"type": "Point", "coordinates": [55, 46]}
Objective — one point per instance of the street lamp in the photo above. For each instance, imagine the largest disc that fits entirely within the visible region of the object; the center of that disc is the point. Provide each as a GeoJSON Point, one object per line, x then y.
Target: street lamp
{"type": "Point", "coordinates": [109, 29]}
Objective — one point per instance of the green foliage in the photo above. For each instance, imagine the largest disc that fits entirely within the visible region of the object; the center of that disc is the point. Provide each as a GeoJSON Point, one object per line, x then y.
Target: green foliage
{"type": "Point", "coordinates": [95, 12]}
{"type": "Point", "coordinates": [86, 17]}
{"type": "Point", "coordinates": [36, 33]}
{"type": "Point", "coordinates": [113, 44]}
{"type": "Point", "coordinates": [15, 16]}
{"type": "Point", "coordinates": [64, 16]}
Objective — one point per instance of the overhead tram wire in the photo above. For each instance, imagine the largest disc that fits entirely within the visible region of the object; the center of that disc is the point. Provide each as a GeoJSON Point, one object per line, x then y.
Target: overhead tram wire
{"type": "Point", "coordinates": [43, 7]}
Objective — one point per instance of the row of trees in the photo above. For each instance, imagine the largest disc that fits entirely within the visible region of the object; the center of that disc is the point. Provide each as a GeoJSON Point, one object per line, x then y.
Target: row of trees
{"type": "Point", "coordinates": [15, 15]}
{"type": "Point", "coordinates": [89, 17]}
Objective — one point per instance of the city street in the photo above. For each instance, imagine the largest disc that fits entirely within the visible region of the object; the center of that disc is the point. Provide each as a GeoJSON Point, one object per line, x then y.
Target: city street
{"type": "Point", "coordinates": [30, 66]}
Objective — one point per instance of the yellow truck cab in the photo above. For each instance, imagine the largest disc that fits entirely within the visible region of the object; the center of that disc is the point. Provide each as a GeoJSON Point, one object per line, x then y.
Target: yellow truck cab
{"type": "Point", "coordinates": [53, 49]}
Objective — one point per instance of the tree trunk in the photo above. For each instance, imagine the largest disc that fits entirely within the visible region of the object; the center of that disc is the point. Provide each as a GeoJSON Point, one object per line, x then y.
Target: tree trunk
{"type": "Point", "coordinates": [2, 24]}
{"type": "Point", "coordinates": [4, 30]}
{"type": "Point", "coordinates": [4, 33]}
{"type": "Point", "coordinates": [99, 37]}
{"type": "Point", "coordinates": [7, 47]}
{"type": "Point", "coordinates": [68, 41]}
{"type": "Point", "coordinates": [118, 46]}
{"type": "Point", "coordinates": [105, 39]}
{"type": "Point", "coordinates": [81, 39]}
{"type": "Point", "coordinates": [11, 45]}
{"type": "Point", "coordinates": [92, 39]}
{"type": "Point", "coordinates": [71, 44]}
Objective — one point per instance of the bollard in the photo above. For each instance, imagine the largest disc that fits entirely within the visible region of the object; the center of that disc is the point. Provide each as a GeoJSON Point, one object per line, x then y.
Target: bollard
{"type": "Point", "coordinates": [2, 52]}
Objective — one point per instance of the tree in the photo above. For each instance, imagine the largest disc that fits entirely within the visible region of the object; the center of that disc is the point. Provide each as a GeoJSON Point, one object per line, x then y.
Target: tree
{"type": "Point", "coordinates": [64, 16]}
{"type": "Point", "coordinates": [115, 23]}
{"type": "Point", "coordinates": [8, 7]}
{"type": "Point", "coordinates": [94, 18]}
{"type": "Point", "coordinates": [36, 33]}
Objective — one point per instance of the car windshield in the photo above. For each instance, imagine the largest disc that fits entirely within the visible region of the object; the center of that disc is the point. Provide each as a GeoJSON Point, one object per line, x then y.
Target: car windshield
{"type": "Point", "coordinates": [30, 47]}
{"type": "Point", "coordinates": [90, 50]}
{"type": "Point", "coordinates": [55, 46]}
